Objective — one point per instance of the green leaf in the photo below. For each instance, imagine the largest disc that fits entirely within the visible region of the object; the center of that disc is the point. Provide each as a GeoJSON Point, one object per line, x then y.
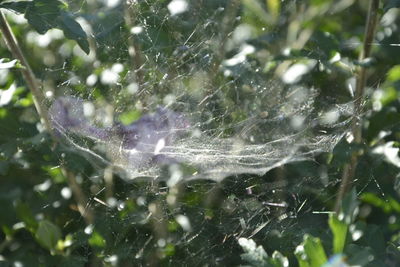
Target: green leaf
{"type": "Point", "coordinates": [359, 256]}
{"type": "Point", "coordinates": [278, 259]}
{"type": "Point", "coordinates": [25, 214]}
{"type": "Point", "coordinates": [274, 7]}
{"type": "Point", "coordinates": [169, 250]}
{"type": "Point", "coordinates": [48, 234]}
{"type": "Point", "coordinates": [73, 30]}
{"type": "Point", "coordinates": [130, 116]}
{"type": "Point", "coordinates": [9, 232]}
{"type": "Point", "coordinates": [301, 256]}
{"type": "Point", "coordinates": [389, 205]}
{"type": "Point", "coordinates": [339, 230]}
{"type": "Point", "coordinates": [97, 240]}
{"type": "Point", "coordinates": [258, 10]}
{"type": "Point", "coordinates": [389, 95]}
{"type": "Point", "coordinates": [19, 7]}
{"type": "Point", "coordinates": [5, 63]}
{"type": "Point", "coordinates": [393, 74]}
{"type": "Point", "coordinates": [324, 44]}
{"type": "Point", "coordinates": [376, 201]}
{"type": "Point", "coordinates": [311, 252]}
{"type": "Point", "coordinates": [44, 15]}
{"type": "Point", "coordinates": [336, 260]}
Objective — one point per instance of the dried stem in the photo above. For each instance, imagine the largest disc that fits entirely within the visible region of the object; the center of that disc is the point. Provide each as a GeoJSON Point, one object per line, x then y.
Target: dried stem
{"type": "Point", "coordinates": [80, 197]}
{"type": "Point", "coordinates": [39, 101]}
{"type": "Point", "coordinates": [350, 168]}
{"type": "Point", "coordinates": [134, 48]}
{"type": "Point", "coordinates": [227, 25]}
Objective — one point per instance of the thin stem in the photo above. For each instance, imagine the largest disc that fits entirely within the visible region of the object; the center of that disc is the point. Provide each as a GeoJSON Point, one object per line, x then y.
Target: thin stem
{"type": "Point", "coordinates": [108, 180]}
{"type": "Point", "coordinates": [39, 101]}
{"type": "Point", "coordinates": [350, 168]}
{"type": "Point", "coordinates": [12, 44]}
{"type": "Point", "coordinates": [80, 197]}
{"type": "Point", "coordinates": [134, 48]}
{"type": "Point", "coordinates": [227, 23]}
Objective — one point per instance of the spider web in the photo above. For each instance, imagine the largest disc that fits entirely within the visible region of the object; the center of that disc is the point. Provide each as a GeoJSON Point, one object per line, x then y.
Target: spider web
{"type": "Point", "coordinates": [181, 95]}
{"type": "Point", "coordinates": [227, 115]}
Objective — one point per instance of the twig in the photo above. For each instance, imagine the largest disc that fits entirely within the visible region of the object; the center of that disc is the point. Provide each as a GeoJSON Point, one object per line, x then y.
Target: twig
{"type": "Point", "coordinates": [38, 98]}
{"type": "Point", "coordinates": [134, 48]}
{"type": "Point", "coordinates": [39, 101]}
{"type": "Point", "coordinates": [350, 168]}
{"type": "Point", "coordinates": [227, 25]}
{"type": "Point", "coordinates": [80, 197]}
{"type": "Point", "coordinates": [108, 180]}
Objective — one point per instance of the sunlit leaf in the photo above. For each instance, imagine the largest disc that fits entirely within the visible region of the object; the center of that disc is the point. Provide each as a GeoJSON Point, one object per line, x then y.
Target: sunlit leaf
{"type": "Point", "coordinates": [97, 240]}
{"type": "Point", "coordinates": [388, 205]}
{"type": "Point", "coordinates": [339, 230]}
{"type": "Point", "coordinates": [257, 9]}
{"type": "Point", "coordinates": [130, 116]}
{"type": "Point", "coordinates": [6, 64]}
{"type": "Point", "coordinates": [169, 250]}
{"type": "Point", "coordinates": [394, 74]}
{"type": "Point", "coordinates": [311, 252]}
{"type": "Point", "coordinates": [274, 6]}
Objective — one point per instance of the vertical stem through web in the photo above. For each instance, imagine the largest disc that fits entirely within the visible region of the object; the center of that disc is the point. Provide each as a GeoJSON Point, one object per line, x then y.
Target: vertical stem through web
{"type": "Point", "coordinates": [350, 168]}
{"type": "Point", "coordinates": [134, 50]}
{"type": "Point", "coordinates": [39, 101]}
{"type": "Point", "coordinates": [227, 25]}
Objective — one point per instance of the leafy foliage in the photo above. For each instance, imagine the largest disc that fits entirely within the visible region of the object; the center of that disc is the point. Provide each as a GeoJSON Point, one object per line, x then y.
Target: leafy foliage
{"type": "Point", "coordinates": [142, 54]}
{"type": "Point", "coordinates": [44, 15]}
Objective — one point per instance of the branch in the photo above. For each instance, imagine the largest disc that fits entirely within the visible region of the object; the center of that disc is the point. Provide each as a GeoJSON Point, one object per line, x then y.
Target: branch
{"type": "Point", "coordinates": [39, 101]}
{"type": "Point", "coordinates": [29, 77]}
{"type": "Point", "coordinates": [349, 169]}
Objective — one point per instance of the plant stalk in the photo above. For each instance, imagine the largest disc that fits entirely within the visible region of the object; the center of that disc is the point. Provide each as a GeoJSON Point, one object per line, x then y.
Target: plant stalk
{"type": "Point", "coordinates": [350, 168]}
{"type": "Point", "coordinates": [134, 50]}
{"type": "Point", "coordinates": [27, 73]}
{"type": "Point", "coordinates": [39, 102]}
